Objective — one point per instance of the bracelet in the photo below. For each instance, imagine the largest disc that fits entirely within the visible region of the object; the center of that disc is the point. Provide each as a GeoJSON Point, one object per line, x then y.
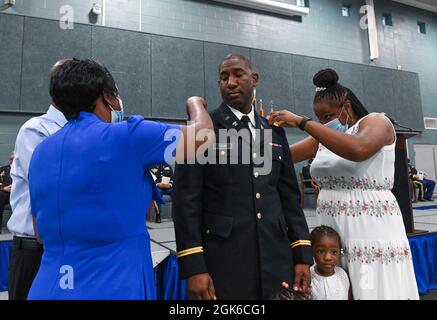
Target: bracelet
{"type": "Point", "coordinates": [303, 122]}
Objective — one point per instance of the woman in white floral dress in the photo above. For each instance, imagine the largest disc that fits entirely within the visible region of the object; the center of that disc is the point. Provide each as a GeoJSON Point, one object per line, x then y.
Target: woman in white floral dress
{"type": "Point", "coordinates": [354, 166]}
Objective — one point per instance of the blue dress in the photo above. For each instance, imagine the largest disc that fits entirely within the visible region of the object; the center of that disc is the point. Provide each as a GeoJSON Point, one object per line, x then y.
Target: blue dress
{"type": "Point", "coordinates": [90, 191]}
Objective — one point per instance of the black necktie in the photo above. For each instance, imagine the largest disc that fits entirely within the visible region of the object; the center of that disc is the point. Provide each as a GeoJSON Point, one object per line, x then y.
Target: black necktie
{"type": "Point", "coordinates": [245, 120]}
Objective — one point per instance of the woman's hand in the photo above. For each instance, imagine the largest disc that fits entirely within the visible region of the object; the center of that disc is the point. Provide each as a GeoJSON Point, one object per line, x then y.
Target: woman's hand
{"type": "Point", "coordinates": [284, 118]}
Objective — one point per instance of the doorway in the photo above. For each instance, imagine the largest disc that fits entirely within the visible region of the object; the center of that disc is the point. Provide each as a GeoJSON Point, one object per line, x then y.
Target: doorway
{"type": "Point", "coordinates": [425, 156]}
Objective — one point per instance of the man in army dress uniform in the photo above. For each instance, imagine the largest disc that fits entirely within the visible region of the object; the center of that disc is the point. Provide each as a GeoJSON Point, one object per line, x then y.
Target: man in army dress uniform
{"type": "Point", "coordinates": [240, 233]}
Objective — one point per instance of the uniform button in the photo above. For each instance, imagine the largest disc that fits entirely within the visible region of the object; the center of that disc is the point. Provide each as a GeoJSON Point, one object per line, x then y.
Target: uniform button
{"type": "Point", "coordinates": [254, 155]}
{"type": "Point", "coordinates": [222, 153]}
{"type": "Point", "coordinates": [258, 195]}
{"type": "Point", "coordinates": [256, 174]}
{"type": "Point", "coordinates": [259, 216]}
{"type": "Point", "coordinates": [208, 231]}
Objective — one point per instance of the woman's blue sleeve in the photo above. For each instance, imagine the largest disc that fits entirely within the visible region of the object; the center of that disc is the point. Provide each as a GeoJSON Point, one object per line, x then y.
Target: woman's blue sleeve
{"type": "Point", "coordinates": [153, 142]}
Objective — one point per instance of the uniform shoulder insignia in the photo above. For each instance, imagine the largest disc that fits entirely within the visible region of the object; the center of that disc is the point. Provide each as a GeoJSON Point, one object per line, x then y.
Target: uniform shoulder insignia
{"type": "Point", "coordinates": [264, 123]}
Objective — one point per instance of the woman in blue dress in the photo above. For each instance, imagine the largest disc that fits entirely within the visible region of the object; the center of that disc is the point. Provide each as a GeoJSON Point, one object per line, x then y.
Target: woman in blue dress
{"type": "Point", "coordinates": [91, 188]}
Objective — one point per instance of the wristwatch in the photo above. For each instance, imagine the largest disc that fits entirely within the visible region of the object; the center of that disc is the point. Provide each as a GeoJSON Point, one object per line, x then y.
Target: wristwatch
{"type": "Point", "coordinates": [303, 122]}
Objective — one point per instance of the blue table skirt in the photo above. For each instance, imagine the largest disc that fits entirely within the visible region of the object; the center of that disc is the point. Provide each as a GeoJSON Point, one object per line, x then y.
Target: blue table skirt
{"type": "Point", "coordinates": [424, 253]}
{"type": "Point", "coordinates": [5, 254]}
{"type": "Point", "coordinates": [168, 284]}
{"type": "Point", "coordinates": [170, 287]}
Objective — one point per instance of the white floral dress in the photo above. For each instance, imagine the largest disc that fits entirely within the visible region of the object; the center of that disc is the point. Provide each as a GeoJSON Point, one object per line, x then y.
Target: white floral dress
{"type": "Point", "coordinates": [356, 200]}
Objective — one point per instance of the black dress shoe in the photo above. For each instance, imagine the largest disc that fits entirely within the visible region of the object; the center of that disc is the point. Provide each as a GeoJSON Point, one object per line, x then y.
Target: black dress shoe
{"type": "Point", "coordinates": [428, 199]}
{"type": "Point", "coordinates": [158, 219]}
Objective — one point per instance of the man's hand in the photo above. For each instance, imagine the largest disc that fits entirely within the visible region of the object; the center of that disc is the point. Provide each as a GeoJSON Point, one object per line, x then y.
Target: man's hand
{"type": "Point", "coordinates": [302, 279]}
{"type": "Point", "coordinates": [200, 287]}
{"type": "Point", "coordinates": [7, 188]}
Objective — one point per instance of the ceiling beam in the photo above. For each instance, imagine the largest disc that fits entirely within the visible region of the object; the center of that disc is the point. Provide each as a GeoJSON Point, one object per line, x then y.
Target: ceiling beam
{"type": "Point", "coordinates": [270, 6]}
{"type": "Point", "coordinates": [418, 4]}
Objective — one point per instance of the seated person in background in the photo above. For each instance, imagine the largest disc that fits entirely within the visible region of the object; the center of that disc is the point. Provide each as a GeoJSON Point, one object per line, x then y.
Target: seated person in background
{"type": "Point", "coordinates": [163, 176]}
{"type": "Point", "coordinates": [426, 186]}
{"type": "Point", "coordinates": [308, 180]}
{"type": "Point", "coordinates": [5, 187]}
{"type": "Point", "coordinates": [306, 171]}
{"type": "Point", "coordinates": [328, 281]}
{"type": "Point", "coordinates": [416, 183]}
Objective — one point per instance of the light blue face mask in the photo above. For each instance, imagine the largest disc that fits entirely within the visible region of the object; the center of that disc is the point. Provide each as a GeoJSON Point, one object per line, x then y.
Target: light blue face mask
{"type": "Point", "coordinates": [117, 115]}
{"type": "Point", "coordinates": [337, 125]}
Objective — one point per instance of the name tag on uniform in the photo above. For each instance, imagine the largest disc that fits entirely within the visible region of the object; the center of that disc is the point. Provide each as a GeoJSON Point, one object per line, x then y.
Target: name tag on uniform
{"type": "Point", "coordinates": [222, 146]}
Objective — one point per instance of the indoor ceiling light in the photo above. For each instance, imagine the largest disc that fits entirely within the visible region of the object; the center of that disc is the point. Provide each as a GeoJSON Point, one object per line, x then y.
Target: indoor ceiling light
{"type": "Point", "coordinates": [270, 6]}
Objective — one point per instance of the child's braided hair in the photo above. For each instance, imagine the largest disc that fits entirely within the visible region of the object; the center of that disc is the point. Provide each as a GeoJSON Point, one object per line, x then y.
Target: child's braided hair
{"type": "Point", "coordinates": [324, 230]}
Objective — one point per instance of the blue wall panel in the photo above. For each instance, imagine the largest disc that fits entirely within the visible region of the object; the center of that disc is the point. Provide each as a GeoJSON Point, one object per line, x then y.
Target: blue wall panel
{"type": "Point", "coordinates": [45, 43]}
{"type": "Point", "coordinates": [304, 69]}
{"type": "Point", "coordinates": [407, 99]}
{"type": "Point", "coordinates": [11, 40]}
{"type": "Point", "coordinates": [177, 74]}
{"type": "Point", "coordinates": [276, 79]}
{"type": "Point", "coordinates": [378, 90]}
{"type": "Point", "coordinates": [127, 55]}
{"type": "Point", "coordinates": [350, 75]}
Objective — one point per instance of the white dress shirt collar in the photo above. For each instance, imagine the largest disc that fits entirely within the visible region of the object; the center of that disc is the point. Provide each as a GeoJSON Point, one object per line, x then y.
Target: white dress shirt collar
{"type": "Point", "coordinates": [57, 116]}
{"type": "Point", "coordinates": [251, 116]}
{"type": "Point", "coordinates": [240, 115]}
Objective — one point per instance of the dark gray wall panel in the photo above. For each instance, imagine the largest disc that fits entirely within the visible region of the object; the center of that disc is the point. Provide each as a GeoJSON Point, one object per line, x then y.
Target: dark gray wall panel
{"type": "Point", "coordinates": [45, 43]}
{"type": "Point", "coordinates": [304, 69]}
{"type": "Point", "coordinates": [408, 102]}
{"type": "Point", "coordinates": [378, 90]}
{"type": "Point", "coordinates": [214, 53]}
{"type": "Point", "coordinates": [351, 76]}
{"type": "Point", "coordinates": [11, 39]}
{"type": "Point", "coordinates": [127, 56]}
{"type": "Point", "coordinates": [9, 126]}
{"type": "Point", "coordinates": [276, 83]}
{"type": "Point", "coordinates": [177, 74]}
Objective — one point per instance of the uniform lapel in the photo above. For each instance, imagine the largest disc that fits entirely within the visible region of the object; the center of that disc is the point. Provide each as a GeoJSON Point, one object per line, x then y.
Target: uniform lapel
{"type": "Point", "coordinates": [229, 121]}
{"type": "Point", "coordinates": [227, 118]}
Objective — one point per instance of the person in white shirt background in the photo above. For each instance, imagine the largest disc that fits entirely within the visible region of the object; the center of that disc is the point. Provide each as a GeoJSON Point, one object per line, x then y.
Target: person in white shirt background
{"type": "Point", "coordinates": [27, 250]}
